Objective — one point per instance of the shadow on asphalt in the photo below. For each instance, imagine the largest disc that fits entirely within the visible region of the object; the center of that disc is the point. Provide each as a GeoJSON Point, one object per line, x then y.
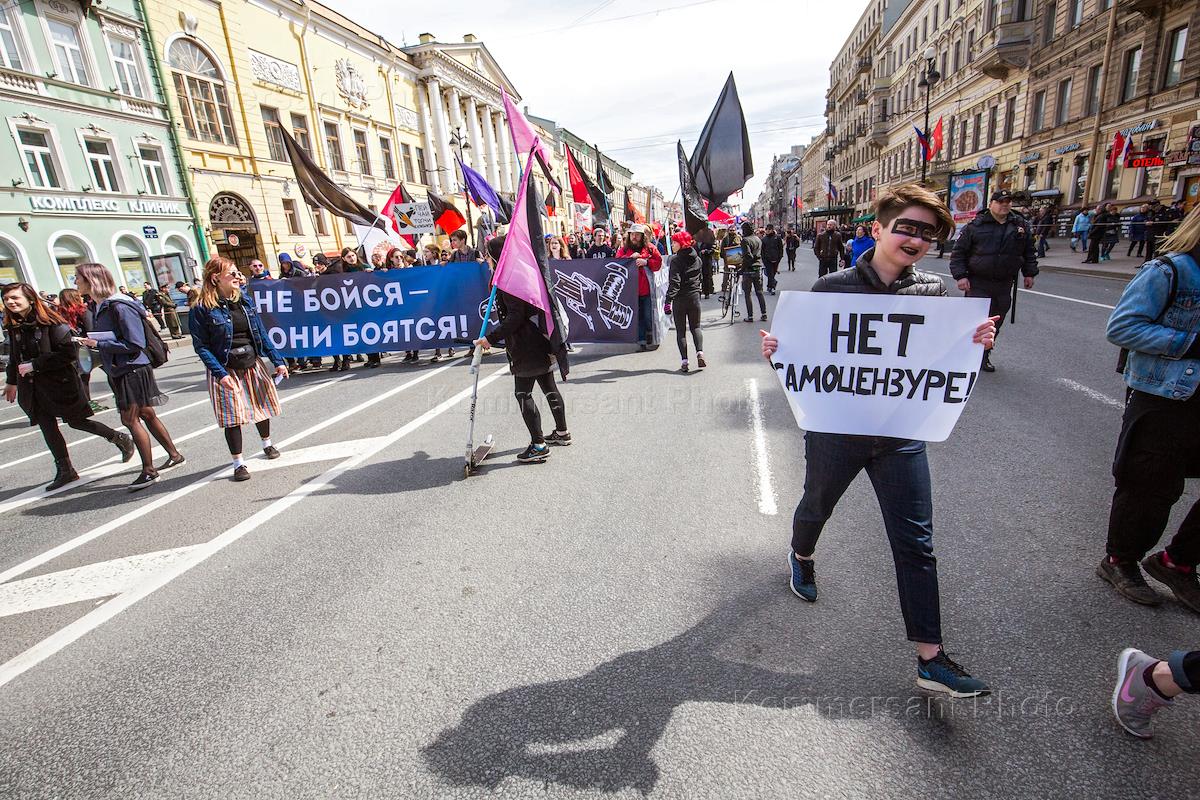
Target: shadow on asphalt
{"type": "Point", "coordinates": [598, 731]}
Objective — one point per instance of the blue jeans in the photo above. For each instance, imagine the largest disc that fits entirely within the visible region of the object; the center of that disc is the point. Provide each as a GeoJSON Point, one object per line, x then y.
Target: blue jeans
{"type": "Point", "coordinates": [645, 318]}
{"type": "Point", "coordinates": [899, 471]}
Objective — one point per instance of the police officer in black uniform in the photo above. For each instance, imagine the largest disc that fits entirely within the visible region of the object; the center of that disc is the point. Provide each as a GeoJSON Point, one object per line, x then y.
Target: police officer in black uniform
{"type": "Point", "coordinates": [990, 252]}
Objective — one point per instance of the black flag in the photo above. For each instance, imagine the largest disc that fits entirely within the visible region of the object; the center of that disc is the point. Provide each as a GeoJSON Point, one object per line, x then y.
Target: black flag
{"type": "Point", "coordinates": [695, 218]}
{"type": "Point", "coordinates": [721, 161]}
{"type": "Point", "coordinates": [320, 191]}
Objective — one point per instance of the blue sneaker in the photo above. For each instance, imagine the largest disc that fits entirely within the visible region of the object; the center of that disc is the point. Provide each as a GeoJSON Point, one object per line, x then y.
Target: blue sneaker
{"type": "Point", "coordinates": [803, 581]}
{"type": "Point", "coordinates": [940, 674]}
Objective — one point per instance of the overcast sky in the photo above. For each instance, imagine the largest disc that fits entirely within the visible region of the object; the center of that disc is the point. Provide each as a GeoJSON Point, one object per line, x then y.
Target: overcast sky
{"type": "Point", "coordinates": [634, 75]}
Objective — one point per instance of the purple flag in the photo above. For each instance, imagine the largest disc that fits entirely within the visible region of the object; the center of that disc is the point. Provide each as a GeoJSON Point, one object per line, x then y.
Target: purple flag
{"type": "Point", "coordinates": [482, 194]}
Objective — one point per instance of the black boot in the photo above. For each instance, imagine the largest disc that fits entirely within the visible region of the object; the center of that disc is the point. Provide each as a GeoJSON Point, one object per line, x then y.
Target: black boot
{"type": "Point", "coordinates": [986, 366]}
{"type": "Point", "coordinates": [64, 474]}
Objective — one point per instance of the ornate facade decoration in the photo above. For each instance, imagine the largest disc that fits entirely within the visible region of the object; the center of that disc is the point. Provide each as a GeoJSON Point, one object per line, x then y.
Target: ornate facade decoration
{"type": "Point", "coordinates": [277, 72]}
{"type": "Point", "coordinates": [407, 118]}
{"type": "Point", "coordinates": [231, 211]}
{"type": "Point", "coordinates": [350, 83]}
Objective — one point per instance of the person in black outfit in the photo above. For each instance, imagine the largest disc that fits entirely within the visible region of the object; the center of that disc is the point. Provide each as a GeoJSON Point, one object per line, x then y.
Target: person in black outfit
{"type": "Point", "coordinates": [43, 377]}
{"type": "Point", "coordinates": [1101, 226]}
{"type": "Point", "coordinates": [751, 272]}
{"type": "Point", "coordinates": [772, 254]}
{"type": "Point", "coordinates": [706, 247]}
{"type": "Point", "coordinates": [990, 252]}
{"type": "Point", "coordinates": [791, 243]}
{"type": "Point", "coordinates": [683, 297]}
{"type": "Point", "coordinates": [829, 247]}
{"type": "Point", "coordinates": [600, 247]}
{"type": "Point", "coordinates": [531, 363]}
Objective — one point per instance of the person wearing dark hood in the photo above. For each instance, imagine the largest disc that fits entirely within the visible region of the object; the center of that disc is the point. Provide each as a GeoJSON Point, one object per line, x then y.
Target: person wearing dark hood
{"type": "Point", "coordinates": [751, 272]}
{"type": "Point", "coordinates": [706, 248]}
{"type": "Point", "coordinates": [992, 250]}
{"type": "Point", "coordinates": [43, 378]}
{"type": "Point", "coordinates": [683, 297]}
{"type": "Point", "coordinates": [530, 361]}
{"type": "Point", "coordinates": [772, 253]}
{"type": "Point", "coordinates": [291, 268]}
{"type": "Point", "coordinates": [791, 243]}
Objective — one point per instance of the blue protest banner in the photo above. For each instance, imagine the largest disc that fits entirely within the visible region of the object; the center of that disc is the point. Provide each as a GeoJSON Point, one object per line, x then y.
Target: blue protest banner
{"type": "Point", "coordinates": [360, 312]}
{"type": "Point", "coordinates": [600, 297]}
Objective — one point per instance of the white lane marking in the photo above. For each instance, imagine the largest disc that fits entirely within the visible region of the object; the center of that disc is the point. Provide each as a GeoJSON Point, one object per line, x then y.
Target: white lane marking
{"type": "Point", "coordinates": [52, 644]}
{"type": "Point", "coordinates": [98, 413]}
{"type": "Point", "coordinates": [1041, 294]}
{"type": "Point", "coordinates": [113, 465]}
{"type": "Point", "coordinates": [167, 499]}
{"type": "Point", "coordinates": [762, 463]}
{"type": "Point", "coordinates": [88, 582]}
{"type": "Point", "coordinates": [1092, 393]}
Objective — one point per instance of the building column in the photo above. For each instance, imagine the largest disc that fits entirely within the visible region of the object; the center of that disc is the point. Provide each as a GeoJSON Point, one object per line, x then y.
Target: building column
{"type": "Point", "coordinates": [473, 135]}
{"type": "Point", "coordinates": [427, 143]}
{"type": "Point", "coordinates": [437, 109]}
{"type": "Point", "coordinates": [456, 124]}
{"type": "Point", "coordinates": [508, 179]}
{"type": "Point", "coordinates": [489, 144]}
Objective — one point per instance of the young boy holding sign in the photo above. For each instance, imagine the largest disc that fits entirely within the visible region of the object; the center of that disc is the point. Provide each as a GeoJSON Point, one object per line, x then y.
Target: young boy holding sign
{"type": "Point", "coordinates": [908, 219]}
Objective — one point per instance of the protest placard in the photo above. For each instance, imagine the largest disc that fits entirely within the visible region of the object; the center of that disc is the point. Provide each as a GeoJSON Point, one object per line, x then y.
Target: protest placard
{"type": "Point", "coordinates": [877, 365]}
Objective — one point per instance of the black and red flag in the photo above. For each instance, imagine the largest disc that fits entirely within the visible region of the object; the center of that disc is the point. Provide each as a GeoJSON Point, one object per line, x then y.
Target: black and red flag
{"type": "Point", "coordinates": [445, 214]}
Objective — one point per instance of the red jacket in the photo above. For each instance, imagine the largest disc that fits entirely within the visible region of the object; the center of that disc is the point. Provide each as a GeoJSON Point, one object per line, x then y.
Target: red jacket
{"type": "Point", "coordinates": [654, 262]}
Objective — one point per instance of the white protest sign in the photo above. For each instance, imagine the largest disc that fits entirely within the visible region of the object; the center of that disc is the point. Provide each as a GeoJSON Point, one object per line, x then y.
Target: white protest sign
{"type": "Point", "coordinates": [413, 218]}
{"type": "Point", "coordinates": [877, 365]}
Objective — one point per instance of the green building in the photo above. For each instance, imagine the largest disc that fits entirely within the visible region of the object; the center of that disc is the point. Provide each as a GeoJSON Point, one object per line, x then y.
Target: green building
{"type": "Point", "coordinates": [90, 167]}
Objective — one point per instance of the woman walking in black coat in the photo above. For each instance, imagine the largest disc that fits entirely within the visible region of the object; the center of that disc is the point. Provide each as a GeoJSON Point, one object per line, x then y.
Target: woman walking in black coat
{"type": "Point", "coordinates": [683, 297]}
{"type": "Point", "coordinates": [531, 362]}
{"type": "Point", "coordinates": [43, 377]}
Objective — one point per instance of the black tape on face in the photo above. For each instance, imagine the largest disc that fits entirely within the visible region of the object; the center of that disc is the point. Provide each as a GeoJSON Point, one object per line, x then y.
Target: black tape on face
{"type": "Point", "coordinates": [916, 229]}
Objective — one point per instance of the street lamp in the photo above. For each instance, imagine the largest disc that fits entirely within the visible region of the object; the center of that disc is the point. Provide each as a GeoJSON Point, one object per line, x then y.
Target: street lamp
{"type": "Point", "coordinates": [929, 76]}
{"type": "Point", "coordinates": [457, 140]}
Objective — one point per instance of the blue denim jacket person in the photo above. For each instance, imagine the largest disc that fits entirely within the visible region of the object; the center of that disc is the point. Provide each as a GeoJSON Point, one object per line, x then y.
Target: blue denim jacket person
{"type": "Point", "coordinates": [212, 332]}
{"type": "Point", "coordinates": [1159, 342]}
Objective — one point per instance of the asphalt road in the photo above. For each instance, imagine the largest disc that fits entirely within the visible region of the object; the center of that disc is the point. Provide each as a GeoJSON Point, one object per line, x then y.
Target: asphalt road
{"type": "Point", "coordinates": [360, 621]}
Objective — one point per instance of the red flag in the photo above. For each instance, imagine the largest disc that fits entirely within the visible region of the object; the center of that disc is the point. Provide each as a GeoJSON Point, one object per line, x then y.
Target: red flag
{"type": "Point", "coordinates": [579, 190]}
{"type": "Point", "coordinates": [1118, 149]}
{"type": "Point", "coordinates": [935, 140]}
{"type": "Point", "coordinates": [400, 195]}
{"type": "Point", "coordinates": [445, 214]}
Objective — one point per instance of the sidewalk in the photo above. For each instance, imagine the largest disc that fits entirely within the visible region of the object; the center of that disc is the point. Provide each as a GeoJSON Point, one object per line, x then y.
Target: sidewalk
{"type": "Point", "coordinates": [1059, 258]}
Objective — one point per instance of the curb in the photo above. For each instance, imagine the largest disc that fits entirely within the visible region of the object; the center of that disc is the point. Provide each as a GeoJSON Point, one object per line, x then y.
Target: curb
{"type": "Point", "coordinates": [1091, 273]}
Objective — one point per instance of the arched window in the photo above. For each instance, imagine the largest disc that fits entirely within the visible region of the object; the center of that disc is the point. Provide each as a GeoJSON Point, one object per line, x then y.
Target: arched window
{"type": "Point", "coordinates": [201, 92]}
{"type": "Point", "coordinates": [11, 268]}
{"type": "Point", "coordinates": [70, 252]}
{"type": "Point", "coordinates": [131, 259]}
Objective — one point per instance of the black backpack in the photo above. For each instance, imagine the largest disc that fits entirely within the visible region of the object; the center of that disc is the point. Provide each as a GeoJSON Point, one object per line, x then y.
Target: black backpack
{"type": "Point", "coordinates": [1123, 356]}
{"type": "Point", "coordinates": [156, 349]}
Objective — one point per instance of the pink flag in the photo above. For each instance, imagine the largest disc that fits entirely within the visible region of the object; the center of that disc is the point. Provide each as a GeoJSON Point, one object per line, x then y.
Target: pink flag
{"type": "Point", "coordinates": [525, 140]}
{"type": "Point", "coordinates": [518, 271]}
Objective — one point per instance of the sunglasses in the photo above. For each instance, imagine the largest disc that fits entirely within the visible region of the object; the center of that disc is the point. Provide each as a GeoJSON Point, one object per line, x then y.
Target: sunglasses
{"type": "Point", "coordinates": [915, 229]}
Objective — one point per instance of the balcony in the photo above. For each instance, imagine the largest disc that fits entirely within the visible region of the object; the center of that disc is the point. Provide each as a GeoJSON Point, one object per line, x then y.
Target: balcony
{"type": "Point", "coordinates": [1147, 8]}
{"type": "Point", "coordinates": [864, 63]}
{"type": "Point", "coordinates": [879, 131]}
{"type": "Point", "coordinates": [830, 106]}
{"type": "Point", "coordinates": [830, 130]}
{"type": "Point", "coordinates": [861, 98]}
{"type": "Point", "coordinates": [1005, 49]}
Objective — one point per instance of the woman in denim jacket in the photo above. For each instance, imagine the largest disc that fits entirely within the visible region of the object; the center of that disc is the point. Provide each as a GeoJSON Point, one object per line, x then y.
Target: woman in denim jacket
{"type": "Point", "coordinates": [1157, 319]}
{"type": "Point", "coordinates": [229, 338]}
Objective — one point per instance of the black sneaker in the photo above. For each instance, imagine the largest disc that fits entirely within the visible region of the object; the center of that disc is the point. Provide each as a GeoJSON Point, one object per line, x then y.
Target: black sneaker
{"type": "Point", "coordinates": [986, 366]}
{"type": "Point", "coordinates": [763, 318]}
{"type": "Point", "coordinates": [804, 578]}
{"type": "Point", "coordinates": [171, 462]}
{"type": "Point", "coordinates": [534, 454]}
{"type": "Point", "coordinates": [241, 473]}
{"type": "Point", "coordinates": [940, 674]}
{"type": "Point", "coordinates": [683, 367]}
{"type": "Point", "coordinates": [562, 439]}
{"type": "Point", "coordinates": [143, 480]}
{"type": "Point", "coordinates": [124, 443]}
{"type": "Point", "coordinates": [1126, 578]}
{"type": "Point", "coordinates": [749, 318]}
{"type": "Point", "coordinates": [271, 452]}
{"type": "Point", "coordinates": [1183, 584]}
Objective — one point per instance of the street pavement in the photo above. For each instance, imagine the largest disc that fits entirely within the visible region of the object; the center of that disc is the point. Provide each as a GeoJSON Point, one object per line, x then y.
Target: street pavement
{"type": "Point", "coordinates": [359, 620]}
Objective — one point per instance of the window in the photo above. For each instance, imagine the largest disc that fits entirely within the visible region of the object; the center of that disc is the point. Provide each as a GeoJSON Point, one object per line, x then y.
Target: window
{"type": "Point", "coordinates": [126, 67]}
{"type": "Point", "coordinates": [131, 262]}
{"type": "Point", "coordinates": [348, 225]}
{"type": "Point", "coordinates": [1039, 112]}
{"type": "Point", "coordinates": [1133, 67]}
{"type": "Point", "coordinates": [1020, 10]}
{"type": "Point", "coordinates": [962, 137]}
{"type": "Point", "coordinates": [101, 166]}
{"type": "Point", "coordinates": [1048, 22]}
{"type": "Point", "coordinates": [333, 145]}
{"type": "Point", "coordinates": [1064, 101]}
{"type": "Point", "coordinates": [1092, 107]}
{"type": "Point", "coordinates": [361, 152]}
{"type": "Point", "coordinates": [389, 162]}
{"type": "Point", "coordinates": [293, 219]}
{"type": "Point", "coordinates": [11, 268]}
{"type": "Point", "coordinates": [40, 164]}
{"type": "Point", "coordinates": [1010, 118]}
{"type": "Point", "coordinates": [993, 13]}
{"type": "Point", "coordinates": [319, 221]}
{"type": "Point", "coordinates": [993, 124]}
{"type": "Point", "coordinates": [69, 253]}
{"type": "Point", "coordinates": [957, 55]}
{"type": "Point", "coordinates": [970, 46]}
{"type": "Point", "coordinates": [945, 60]}
{"type": "Point", "coordinates": [68, 52]}
{"type": "Point", "coordinates": [1176, 41]}
{"type": "Point", "coordinates": [1081, 171]}
{"type": "Point", "coordinates": [422, 171]}
{"type": "Point", "coordinates": [200, 89]}
{"type": "Point", "coordinates": [1076, 13]}
{"type": "Point", "coordinates": [975, 134]}
{"type": "Point", "coordinates": [1112, 180]}
{"type": "Point", "coordinates": [152, 170]}
{"type": "Point", "coordinates": [300, 133]}
{"type": "Point", "coordinates": [274, 133]}
{"type": "Point", "coordinates": [406, 158]}
{"type": "Point", "coordinates": [10, 50]}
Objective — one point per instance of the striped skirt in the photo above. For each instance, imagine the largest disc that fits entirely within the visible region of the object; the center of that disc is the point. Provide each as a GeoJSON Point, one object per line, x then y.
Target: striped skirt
{"type": "Point", "coordinates": [253, 400]}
